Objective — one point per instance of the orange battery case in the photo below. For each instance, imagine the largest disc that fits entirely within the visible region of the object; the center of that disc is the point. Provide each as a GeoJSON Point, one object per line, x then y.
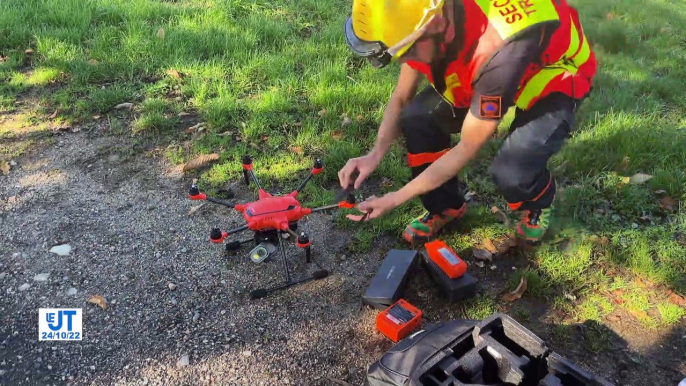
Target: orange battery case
{"type": "Point", "coordinates": [446, 259]}
{"type": "Point", "coordinates": [395, 329]}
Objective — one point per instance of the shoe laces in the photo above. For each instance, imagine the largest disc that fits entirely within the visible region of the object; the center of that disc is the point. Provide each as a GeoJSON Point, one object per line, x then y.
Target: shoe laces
{"type": "Point", "coordinates": [534, 216]}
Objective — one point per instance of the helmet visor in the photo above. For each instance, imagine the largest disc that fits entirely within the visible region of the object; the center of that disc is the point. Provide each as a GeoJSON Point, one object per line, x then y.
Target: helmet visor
{"type": "Point", "coordinates": [376, 52]}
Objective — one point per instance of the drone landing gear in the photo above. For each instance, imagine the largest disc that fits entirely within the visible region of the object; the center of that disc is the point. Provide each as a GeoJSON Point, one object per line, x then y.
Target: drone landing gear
{"type": "Point", "coordinates": [304, 243]}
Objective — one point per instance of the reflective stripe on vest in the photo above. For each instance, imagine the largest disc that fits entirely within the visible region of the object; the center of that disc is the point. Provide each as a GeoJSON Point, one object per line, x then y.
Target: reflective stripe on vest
{"type": "Point", "coordinates": [512, 16]}
{"type": "Point", "coordinates": [576, 55]}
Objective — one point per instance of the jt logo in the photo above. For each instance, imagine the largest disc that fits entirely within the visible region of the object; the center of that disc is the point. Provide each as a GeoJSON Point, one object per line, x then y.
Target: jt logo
{"type": "Point", "coordinates": [57, 325]}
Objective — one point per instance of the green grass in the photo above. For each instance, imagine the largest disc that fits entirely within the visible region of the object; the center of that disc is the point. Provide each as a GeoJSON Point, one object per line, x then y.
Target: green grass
{"type": "Point", "coordinates": [279, 78]}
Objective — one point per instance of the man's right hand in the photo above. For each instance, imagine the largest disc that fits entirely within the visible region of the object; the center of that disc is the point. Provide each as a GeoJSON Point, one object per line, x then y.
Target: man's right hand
{"type": "Point", "coordinates": [364, 165]}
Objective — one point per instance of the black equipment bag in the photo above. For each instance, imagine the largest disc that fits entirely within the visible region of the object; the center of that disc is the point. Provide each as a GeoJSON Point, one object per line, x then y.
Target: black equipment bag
{"type": "Point", "coordinates": [497, 351]}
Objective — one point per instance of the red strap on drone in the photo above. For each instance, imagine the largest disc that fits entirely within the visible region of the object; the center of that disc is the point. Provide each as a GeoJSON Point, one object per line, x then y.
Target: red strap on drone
{"type": "Point", "coordinates": [200, 196]}
{"type": "Point", "coordinates": [316, 171]}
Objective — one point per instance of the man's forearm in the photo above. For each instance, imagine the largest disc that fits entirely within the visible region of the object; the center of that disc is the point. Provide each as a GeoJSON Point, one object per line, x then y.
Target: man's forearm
{"type": "Point", "coordinates": [389, 128]}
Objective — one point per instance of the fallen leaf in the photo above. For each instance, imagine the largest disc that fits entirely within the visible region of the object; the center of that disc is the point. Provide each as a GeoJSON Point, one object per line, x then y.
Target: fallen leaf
{"type": "Point", "coordinates": [668, 203]}
{"type": "Point", "coordinates": [195, 209]}
{"type": "Point", "coordinates": [200, 161]}
{"type": "Point", "coordinates": [360, 118]}
{"type": "Point", "coordinates": [480, 264]}
{"type": "Point", "coordinates": [5, 167]}
{"type": "Point", "coordinates": [224, 134]}
{"type": "Point", "coordinates": [518, 292]}
{"type": "Point", "coordinates": [483, 255]}
{"type": "Point", "coordinates": [625, 163]}
{"type": "Point", "coordinates": [194, 127]}
{"type": "Point", "coordinates": [502, 216]}
{"type": "Point", "coordinates": [488, 244]}
{"type": "Point", "coordinates": [265, 138]}
{"type": "Point", "coordinates": [99, 300]}
{"type": "Point", "coordinates": [3, 59]}
{"type": "Point", "coordinates": [346, 121]}
{"type": "Point", "coordinates": [618, 292]}
{"type": "Point", "coordinates": [386, 182]}
{"type": "Point", "coordinates": [184, 114]}
{"type": "Point", "coordinates": [174, 74]}
{"type": "Point", "coordinates": [254, 145]}
{"type": "Point", "coordinates": [28, 52]}
{"type": "Point", "coordinates": [54, 115]}
{"type": "Point", "coordinates": [661, 191]}
{"type": "Point", "coordinates": [96, 117]}
{"type": "Point", "coordinates": [296, 149]}
{"type": "Point", "coordinates": [469, 196]}
{"type": "Point", "coordinates": [677, 299]}
{"type": "Point", "coordinates": [337, 135]}
{"type": "Point", "coordinates": [639, 178]}
{"type": "Point", "coordinates": [506, 245]}
{"type": "Point", "coordinates": [160, 33]}
{"type": "Point", "coordinates": [126, 105]}
{"type": "Point", "coordinates": [639, 314]}
{"type": "Point", "coordinates": [92, 62]}
{"type": "Point", "coordinates": [322, 112]}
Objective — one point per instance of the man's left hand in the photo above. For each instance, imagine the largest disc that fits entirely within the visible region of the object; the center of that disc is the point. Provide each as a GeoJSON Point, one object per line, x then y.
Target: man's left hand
{"type": "Point", "coordinates": [376, 206]}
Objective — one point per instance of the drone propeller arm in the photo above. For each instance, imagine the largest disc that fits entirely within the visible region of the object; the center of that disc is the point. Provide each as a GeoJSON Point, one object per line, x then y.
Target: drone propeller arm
{"type": "Point", "coordinates": [195, 194]}
{"type": "Point", "coordinates": [217, 235]}
{"type": "Point", "coordinates": [247, 172]}
{"type": "Point", "coordinates": [348, 203]}
{"type": "Point", "coordinates": [316, 169]}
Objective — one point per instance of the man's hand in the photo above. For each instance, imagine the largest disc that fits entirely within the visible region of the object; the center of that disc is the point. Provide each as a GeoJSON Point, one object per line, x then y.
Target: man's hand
{"type": "Point", "coordinates": [376, 207]}
{"type": "Point", "coordinates": [363, 165]}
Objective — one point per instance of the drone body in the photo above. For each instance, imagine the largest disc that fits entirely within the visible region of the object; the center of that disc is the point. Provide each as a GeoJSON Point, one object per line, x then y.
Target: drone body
{"type": "Point", "coordinates": [270, 217]}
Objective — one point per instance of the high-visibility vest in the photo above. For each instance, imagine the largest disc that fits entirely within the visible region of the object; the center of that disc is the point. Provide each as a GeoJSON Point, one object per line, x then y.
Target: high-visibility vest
{"type": "Point", "coordinates": [568, 64]}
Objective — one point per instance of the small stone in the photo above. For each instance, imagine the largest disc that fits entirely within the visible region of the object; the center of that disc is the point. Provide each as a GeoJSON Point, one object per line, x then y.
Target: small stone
{"type": "Point", "coordinates": [61, 250]}
{"type": "Point", "coordinates": [184, 250]}
{"type": "Point", "coordinates": [24, 287]}
{"type": "Point", "coordinates": [41, 277]}
{"type": "Point", "coordinates": [49, 367]}
{"type": "Point", "coordinates": [493, 267]}
{"type": "Point", "coordinates": [480, 264]}
{"type": "Point", "coordinates": [3, 275]}
{"type": "Point", "coordinates": [174, 302]}
{"type": "Point", "coordinates": [184, 361]}
{"type": "Point", "coordinates": [171, 286]}
{"type": "Point", "coordinates": [12, 163]}
{"type": "Point", "coordinates": [72, 291]}
{"type": "Point", "coordinates": [247, 353]}
{"type": "Point", "coordinates": [634, 225]}
{"type": "Point", "coordinates": [196, 316]}
{"type": "Point", "coordinates": [93, 368]}
{"type": "Point", "coordinates": [514, 268]}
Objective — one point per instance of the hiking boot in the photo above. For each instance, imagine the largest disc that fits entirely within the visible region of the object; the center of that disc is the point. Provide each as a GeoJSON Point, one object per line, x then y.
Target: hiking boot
{"type": "Point", "coordinates": [533, 225]}
{"type": "Point", "coordinates": [423, 228]}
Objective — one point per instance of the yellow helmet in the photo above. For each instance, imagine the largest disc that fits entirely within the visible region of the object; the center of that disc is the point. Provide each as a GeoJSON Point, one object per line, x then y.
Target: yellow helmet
{"type": "Point", "coordinates": [380, 30]}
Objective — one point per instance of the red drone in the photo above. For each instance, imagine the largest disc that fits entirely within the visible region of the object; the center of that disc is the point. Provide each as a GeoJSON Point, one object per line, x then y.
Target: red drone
{"type": "Point", "coordinates": [272, 218]}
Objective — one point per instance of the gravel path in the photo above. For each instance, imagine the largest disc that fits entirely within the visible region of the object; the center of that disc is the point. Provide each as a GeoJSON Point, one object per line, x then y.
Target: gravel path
{"type": "Point", "coordinates": [178, 309]}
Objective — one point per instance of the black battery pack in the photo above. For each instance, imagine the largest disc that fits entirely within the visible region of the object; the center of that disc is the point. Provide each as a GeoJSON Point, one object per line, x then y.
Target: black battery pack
{"type": "Point", "coordinates": [388, 286]}
{"type": "Point", "coordinates": [455, 290]}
